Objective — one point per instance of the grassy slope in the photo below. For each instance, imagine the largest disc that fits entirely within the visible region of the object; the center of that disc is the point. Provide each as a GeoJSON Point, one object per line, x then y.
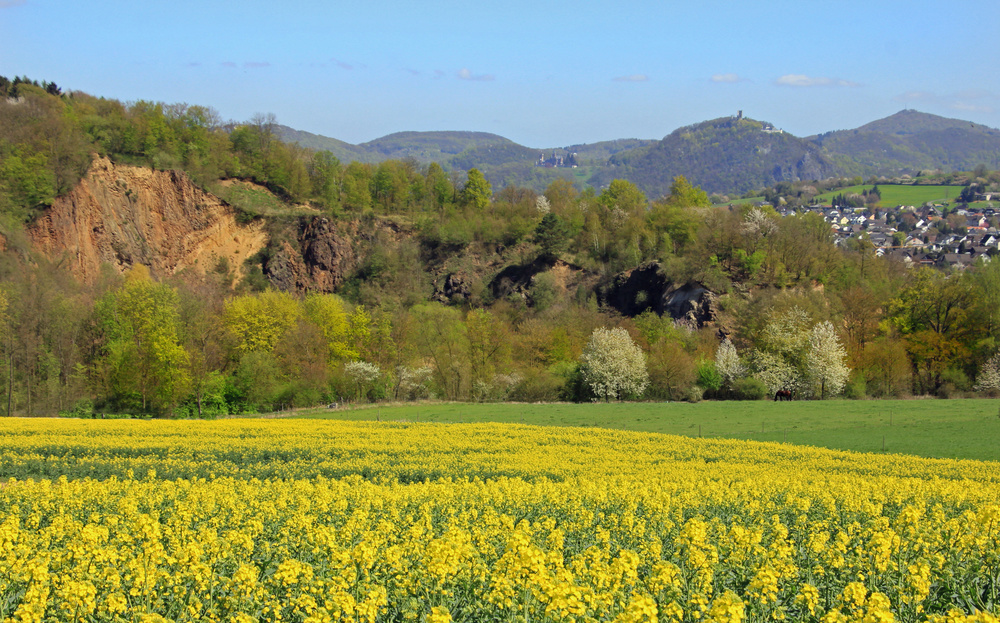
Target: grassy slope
{"type": "Point", "coordinates": [967, 429]}
{"type": "Point", "coordinates": [894, 195]}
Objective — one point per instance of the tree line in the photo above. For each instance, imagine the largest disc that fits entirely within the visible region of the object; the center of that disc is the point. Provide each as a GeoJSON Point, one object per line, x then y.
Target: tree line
{"type": "Point", "coordinates": [792, 309]}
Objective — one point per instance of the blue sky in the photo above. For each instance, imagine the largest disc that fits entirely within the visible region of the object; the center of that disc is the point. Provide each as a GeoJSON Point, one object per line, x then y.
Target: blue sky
{"type": "Point", "coordinates": [542, 73]}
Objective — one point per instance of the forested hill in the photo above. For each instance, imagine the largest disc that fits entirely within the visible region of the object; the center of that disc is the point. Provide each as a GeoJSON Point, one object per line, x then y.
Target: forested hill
{"type": "Point", "coordinates": [722, 155]}
{"type": "Point", "coordinates": [502, 161]}
{"type": "Point", "coordinates": [912, 140]}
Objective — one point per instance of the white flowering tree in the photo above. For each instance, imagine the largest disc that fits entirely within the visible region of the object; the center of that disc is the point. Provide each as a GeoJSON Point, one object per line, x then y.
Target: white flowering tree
{"type": "Point", "coordinates": [363, 374]}
{"type": "Point", "coordinates": [988, 380]}
{"type": "Point", "coordinates": [787, 333]}
{"type": "Point", "coordinates": [826, 366]}
{"type": "Point", "coordinates": [613, 366]}
{"type": "Point", "coordinates": [775, 372]}
{"type": "Point", "coordinates": [412, 383]}
{"type": "Point", "coordinates": [728, 363]}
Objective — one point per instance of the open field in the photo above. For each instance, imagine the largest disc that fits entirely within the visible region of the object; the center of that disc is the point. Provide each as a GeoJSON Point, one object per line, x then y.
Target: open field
{"type": "Point", "coordinates": [304, 520]}
{"type": "Point", "coordinates": [968, 429]}
{"type": "Point", "coordinates": [894, 194]}
{"type": "Point", "coordinates": [737, 202]}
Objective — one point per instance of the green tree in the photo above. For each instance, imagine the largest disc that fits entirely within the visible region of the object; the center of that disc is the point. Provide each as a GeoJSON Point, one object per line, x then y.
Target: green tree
{"type": "Point", "coordinates": [684, 195]}
{"type": "Point", "coordinates": [443, 343]}
{"type": "Point", "coordinates": [624, 195]}
{"type": "Point", "coordinates": [142, 354]}
{"type": "Point", "coordinates": [489, 350]}
{"type": "Point", "coordinates": [477, 190]}
{"type": "Point", "coordinates": [552, 235]}
{"type": "Point", "coordinates": [330, 314]}
{"type": "Point", "coordinates": [256, 322]}
{"type": "Point", "coordinates": [932, 313]}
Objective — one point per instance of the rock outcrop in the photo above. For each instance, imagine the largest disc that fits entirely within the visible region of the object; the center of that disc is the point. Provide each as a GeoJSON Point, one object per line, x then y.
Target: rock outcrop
{"type": "Point", "coordinates": [321, 259]}
{"type": "Point", "coordinates": [645, 288]}
{"type": "Point", "coordinates": [124, 215]}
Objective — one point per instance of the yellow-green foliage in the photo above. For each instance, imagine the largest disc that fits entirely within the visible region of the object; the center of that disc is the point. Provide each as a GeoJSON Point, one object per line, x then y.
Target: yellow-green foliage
{"type": "Point", "coordinates": [329, 313]}
{"type": "Point", "coordinates": [316, 521]}
{"type": "Point", "coordinates": [257, 321]}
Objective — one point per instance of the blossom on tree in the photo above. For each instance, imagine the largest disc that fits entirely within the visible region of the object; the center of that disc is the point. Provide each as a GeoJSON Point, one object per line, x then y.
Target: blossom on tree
{"type": "Point", "coordinates": [826, 367]}
{"type": "Point", "coordinates": [728, 362]}
{"type": "Point", "coordinates": [989, 376]}
{"type": "Point", "coordinates": [613, 366]}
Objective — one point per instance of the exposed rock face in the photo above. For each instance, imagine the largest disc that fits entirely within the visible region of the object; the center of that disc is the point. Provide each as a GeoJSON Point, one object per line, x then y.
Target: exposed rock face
{"type": "Point", "coordinates": [692, 303]}
{"type": "Point", "coordinates": [456, 288]}
{"type": "Point", "coordinates": [518, 278]}
{"type": "Point", "coordinates": [327, 254]}
{"type": "Point", "coordinates": [125, 215]}
{"type": "Point", "coordinates": [645, 288]}
{"type": "Point", "coordinates": [321, 262]}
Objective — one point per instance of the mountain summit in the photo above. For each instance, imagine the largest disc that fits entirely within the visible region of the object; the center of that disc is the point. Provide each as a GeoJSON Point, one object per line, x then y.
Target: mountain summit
{"type": "Point", "coordinates": [722, 155]}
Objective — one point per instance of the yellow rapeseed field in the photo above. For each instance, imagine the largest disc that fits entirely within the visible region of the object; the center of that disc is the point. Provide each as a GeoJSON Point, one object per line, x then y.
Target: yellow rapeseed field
{"type": "Point", "coordinates": [264, 520]}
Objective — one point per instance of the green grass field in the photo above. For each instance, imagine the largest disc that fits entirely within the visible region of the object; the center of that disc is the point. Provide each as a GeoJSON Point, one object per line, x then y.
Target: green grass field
{"type": "Point", "coordinates": [737, 202]}
{"type": "Point", "coordinates": [965, 429]}
{"type": "Point", "coordinates": [894, 195]}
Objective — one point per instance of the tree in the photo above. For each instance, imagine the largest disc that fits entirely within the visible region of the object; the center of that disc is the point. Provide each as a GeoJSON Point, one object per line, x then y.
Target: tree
{"type": "Point", "coordinates": [825, 365]}
{"type": "Point", "coordinates": [552, 235]}
{"type": "Point", "coordinates": [443, 343]}
{"type": "Point", "coordinates": [142, 354]}
{"type": "Point", "coordinates": [774, 371]}
{"type": "Point", "coordinates": [477, 191]}
{"type": "Point", "coordinates": [988, 380]}
{"type": "Point", "coordinates": [613, 366]}
{"type": "Point", "coordinates": [363, 374]}
{"type": "Point", "coordinates": [728, 363]}
{"type": "Point", "coordinates": [684, 195]}
{"type": "Point", "coordinates": [489, 350]}
{"type": "Point", "coordinates": [258, 321]}
{"type": "Point", "coordinates": [624, 195]}
{"type": "Point", "coordinates": [329, 313]}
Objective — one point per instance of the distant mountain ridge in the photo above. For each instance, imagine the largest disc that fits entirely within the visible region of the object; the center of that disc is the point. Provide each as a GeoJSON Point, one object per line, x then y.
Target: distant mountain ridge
{"type": "Point", "coordinates": [728, 154]}
{"type": "Point", "coordinates": [912, 140]}
{"type": "Point", "coordinates": [721, 155]}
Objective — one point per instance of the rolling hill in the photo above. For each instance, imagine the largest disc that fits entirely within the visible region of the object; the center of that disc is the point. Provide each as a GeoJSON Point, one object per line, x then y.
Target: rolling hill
{"type": "Point", "coordinates": [910, 140]}
{"type": "Point", "coordinates": [725, 155]}
{"type": "Point", "coordinates": [722, 155]}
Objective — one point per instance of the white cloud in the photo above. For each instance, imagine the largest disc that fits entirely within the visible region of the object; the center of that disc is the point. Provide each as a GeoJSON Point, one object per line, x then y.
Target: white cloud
{"type": "Point", "coordinates": [632, 78]}
{"type": "Point", "coordinates": [342, 64]}
{"type": "Point", "coordinates": [801, 80]}
{"type": "Point", "coordinates": [256, 64]}
{"type": "Point", "coordinates": [727, 78]}
{"type": "Point", "coordinates": [465, 74]}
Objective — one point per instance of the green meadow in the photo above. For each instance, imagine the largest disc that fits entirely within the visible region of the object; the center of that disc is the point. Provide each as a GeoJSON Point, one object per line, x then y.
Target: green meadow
{"type": "Point", "coordinates": [894, 195]}
{"type": "Point", "coordinates": [964, 429]}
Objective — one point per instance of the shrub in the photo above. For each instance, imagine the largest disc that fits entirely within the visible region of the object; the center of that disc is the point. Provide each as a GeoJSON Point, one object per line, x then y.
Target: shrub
{"type": "Point", "coordinates": [708, 376]}
{"type": "Point", "coordinates": [856, 388]}
{"type": "Point", "coordinates": [749, 388]}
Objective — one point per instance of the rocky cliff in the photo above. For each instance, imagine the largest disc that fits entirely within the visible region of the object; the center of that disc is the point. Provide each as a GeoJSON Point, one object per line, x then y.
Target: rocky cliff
{"type": "Point", "coordinates": [124, 215]}
{"type": "Point", "coordinates": [321, 259]}
{"type": "Point", "coordinates": [645, 288]}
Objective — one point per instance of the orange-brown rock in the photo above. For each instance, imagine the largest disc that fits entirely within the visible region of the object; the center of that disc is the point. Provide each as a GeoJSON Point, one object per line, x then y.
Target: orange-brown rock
{"type": "Point", "coordinates": [124, 215]}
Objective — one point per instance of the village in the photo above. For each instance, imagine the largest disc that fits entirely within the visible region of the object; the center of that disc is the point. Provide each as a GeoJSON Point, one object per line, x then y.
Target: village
{"type": "Point", "coordinates": [932, 234]}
